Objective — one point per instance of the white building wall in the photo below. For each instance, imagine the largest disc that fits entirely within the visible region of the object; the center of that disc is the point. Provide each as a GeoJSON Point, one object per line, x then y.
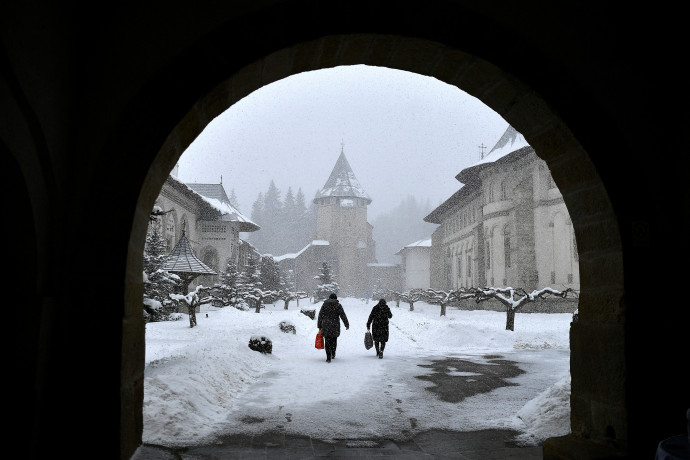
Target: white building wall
{"type": "Point", "coordinates": [417, 268]}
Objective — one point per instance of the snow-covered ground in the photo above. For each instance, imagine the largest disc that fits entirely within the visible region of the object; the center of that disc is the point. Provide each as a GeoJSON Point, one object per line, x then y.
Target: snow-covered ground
{"type": "Point", "coordinates": [205, 381]}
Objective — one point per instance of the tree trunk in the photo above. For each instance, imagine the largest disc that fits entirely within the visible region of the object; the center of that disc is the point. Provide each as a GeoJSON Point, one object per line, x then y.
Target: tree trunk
{"type": "Point", "coordinates": [287, 301]}
{"type": "Point", "coordinates": [191, 309]}
{"type": "Point", "coordinates": [443, 309]}
{"type": "Point", "coordinates": [258, 306]}
{"type": "Point", "coordinates": [411, 306]}
{"type": "Point", "coordinates": [510, 319]}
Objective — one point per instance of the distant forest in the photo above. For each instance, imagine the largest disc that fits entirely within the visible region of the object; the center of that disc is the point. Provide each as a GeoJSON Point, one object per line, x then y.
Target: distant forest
{"type": "Point", "coordinates": [288, 224]}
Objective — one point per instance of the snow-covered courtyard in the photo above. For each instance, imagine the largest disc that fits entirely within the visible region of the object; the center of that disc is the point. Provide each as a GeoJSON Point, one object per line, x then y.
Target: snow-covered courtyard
{"type": "Point", "coordinates": [203, 382]}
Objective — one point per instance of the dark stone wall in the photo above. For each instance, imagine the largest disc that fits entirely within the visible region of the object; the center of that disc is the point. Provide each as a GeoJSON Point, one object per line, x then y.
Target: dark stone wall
{"type": "Point", "coordinates": [96, 109]}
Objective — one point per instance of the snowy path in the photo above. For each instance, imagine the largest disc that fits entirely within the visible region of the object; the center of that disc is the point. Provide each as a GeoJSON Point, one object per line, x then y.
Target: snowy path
{"type": "Point", "coordinates": [204, 382]}
{"type": "Point", "coordinates": [360, 396]}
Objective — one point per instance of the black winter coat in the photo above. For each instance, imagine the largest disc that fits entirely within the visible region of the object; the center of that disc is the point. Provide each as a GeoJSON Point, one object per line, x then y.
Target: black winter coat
{"type": "Point", "coordinates": [329, 318]}
{"type": "Point", "coordinates": [379, 317]}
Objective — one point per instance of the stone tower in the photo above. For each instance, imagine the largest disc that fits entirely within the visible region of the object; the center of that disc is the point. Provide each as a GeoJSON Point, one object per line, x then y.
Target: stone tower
{"type": "Point", "coordinates": [342, 221]}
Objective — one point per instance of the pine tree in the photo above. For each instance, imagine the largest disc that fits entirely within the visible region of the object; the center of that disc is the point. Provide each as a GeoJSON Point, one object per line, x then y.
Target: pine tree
{"type": "Point", "coordinates": [253, 292]}
{"type": "Point", "coordinates": [257, 215]}
{"type": "Point", "coordinates": [234, 201]}
{"type": "Point", "coordinates": [327, 284]}
{"type": "Point", "coordinates": [230, 285]}
{"type": "Point", "coordinates": [272, 227]}
{"type": "Point", "coordinates": [159, 284]}
{"type": "Point", "coordinates": [270, 274]}
{"type": "Point", "coordinates": [290, 224]}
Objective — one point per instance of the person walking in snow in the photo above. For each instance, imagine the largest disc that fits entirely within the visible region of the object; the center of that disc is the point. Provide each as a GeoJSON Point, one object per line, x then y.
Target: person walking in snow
{"type": "Point", "coordinates": [378, 321]}
{"type": "Point", "coordinates": [328, 322]}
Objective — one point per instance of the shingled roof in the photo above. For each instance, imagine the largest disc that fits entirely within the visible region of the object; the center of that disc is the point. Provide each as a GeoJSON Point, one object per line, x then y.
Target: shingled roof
{"type": "Point", "coordinates": [214, 194]}
{"type": "Point", "coordinates": [182, 260]}
{"type": "Point", "coordinates": [342, 182]}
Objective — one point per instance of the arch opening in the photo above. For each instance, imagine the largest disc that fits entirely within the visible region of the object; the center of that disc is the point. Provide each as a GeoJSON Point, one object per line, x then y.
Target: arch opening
{"type": "Point", "coordinates": [517, 104]}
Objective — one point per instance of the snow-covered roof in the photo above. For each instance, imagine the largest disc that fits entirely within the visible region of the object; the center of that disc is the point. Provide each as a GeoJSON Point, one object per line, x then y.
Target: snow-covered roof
{"type": "Point", "coordinates": [425, 243]}
{"type": "Point", "coordinates": [511, 142]}
{"type": "Point", "coordinates": [342, 182]}
{"type": "Point", "coordinates": [214, 194]}
{"type": "Point", "coordinates": [296, 254]}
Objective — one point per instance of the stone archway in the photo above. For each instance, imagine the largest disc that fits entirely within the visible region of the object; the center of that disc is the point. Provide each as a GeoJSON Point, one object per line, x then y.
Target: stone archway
{"type": "Point", "coordinates": [598, 392]}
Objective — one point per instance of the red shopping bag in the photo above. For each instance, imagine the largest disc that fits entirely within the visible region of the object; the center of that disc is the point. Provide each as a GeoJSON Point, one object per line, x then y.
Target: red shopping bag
{"type": "Point", "coordinates": [319, 341]}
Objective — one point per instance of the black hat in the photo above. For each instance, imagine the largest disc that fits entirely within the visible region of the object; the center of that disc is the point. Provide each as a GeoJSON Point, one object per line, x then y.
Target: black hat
{"type": "Point", "coordinates": [332, 296]}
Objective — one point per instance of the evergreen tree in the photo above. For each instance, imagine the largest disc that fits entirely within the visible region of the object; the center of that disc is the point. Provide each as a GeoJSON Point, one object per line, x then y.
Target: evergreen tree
{"type": "Point", "coordinates": [271, 220]}
{"type": "Point", "coordinates": [290, 224]}
{"type": "Point", "coordinates": [327, 283]}
{"type": "Point", "coordinates": [159, 284]}
{"type": "Point", "coordinates": [270, 274]}
{"type": "Point", "coordinates": [253, 292]}
{"type": "Point", "coordinates": [257, 215]}
{"type": "Point", "coordinates": [231, 280]}
{"type": "Point", "coordinates": [306, 224]}
{"type": "Point", "coordinates": [400, 226]}
{"type": "Point", "coordinates": [234, 201]}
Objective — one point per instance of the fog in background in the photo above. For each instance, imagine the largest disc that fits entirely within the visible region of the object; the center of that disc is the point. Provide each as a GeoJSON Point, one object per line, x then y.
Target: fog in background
{"type": "Point", "coordinates": [402, 133]}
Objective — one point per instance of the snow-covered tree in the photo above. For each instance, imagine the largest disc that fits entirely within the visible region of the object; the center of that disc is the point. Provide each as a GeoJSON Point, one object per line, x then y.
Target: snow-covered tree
{"type": "Point", "coordinates": [191, 299]}
{"type": "Point", "coordinates": [270, 273]}
{"type": "Point", "coordinates": [253, 292]}
{"type": "Point", "coordinates": [443, 298]}
{"type": "Point", "coordinates": [327, 283]}
{"type": "Point", "coordinates": [158, 283]}
{"type": "Point", "coordinates": [412, 296]}
{"type": "Point", "coordinates": [286, 295]}
{"type": "Point", "coordinates": [514, 299]}
{"type": "Point", "coordinates": [229, 286]}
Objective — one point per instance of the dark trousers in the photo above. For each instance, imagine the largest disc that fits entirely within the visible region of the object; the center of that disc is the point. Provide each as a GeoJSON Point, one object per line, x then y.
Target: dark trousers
{"type": "Point", "coordinates": [379, 346]}
{"type": "Point", "coordinates": [330, 344]}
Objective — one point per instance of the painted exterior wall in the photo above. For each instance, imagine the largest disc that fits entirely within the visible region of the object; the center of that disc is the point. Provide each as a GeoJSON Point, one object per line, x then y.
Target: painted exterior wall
{"type": "Point", "coordinates": [508, 227]}
{"type": "Point", "coordinates": [215, 242]}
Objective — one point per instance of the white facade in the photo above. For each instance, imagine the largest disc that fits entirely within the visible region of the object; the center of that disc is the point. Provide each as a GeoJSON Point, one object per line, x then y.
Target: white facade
{"type": "Point", "coordinates": [507, 226]}
{"type": "Point", "coordinates": [213, 229]}
{"type": "Point", "coordinates": [416, 265]}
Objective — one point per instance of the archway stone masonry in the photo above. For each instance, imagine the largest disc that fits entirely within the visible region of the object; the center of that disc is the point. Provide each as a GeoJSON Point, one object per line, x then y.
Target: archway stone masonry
{"type": "Point", "coordinates": [96, 113]}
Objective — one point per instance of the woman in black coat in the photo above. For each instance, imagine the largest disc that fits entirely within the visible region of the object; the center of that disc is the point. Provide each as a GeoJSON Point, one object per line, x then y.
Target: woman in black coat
{"type": "Point", "coordinates": [328, 323]}
{"type": "Point", "coordinates": [379, 317]}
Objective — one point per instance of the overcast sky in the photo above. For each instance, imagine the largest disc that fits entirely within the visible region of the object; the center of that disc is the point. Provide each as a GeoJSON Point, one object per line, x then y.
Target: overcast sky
{"type": "Point", "coordinates": [402, 133]}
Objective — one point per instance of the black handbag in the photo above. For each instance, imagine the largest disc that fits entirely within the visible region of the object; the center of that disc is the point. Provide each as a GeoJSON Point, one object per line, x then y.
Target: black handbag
{"type": "Point", "coordinates": [368, 340]}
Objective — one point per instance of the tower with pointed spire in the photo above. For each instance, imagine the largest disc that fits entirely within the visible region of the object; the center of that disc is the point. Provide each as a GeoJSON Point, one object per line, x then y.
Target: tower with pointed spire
{"type": "Point", "coordinates": [342, 221]}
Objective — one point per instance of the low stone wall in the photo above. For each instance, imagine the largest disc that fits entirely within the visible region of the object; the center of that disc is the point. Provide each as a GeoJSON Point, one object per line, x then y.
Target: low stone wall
{"type": "Point", "coordinates": [548, 305]}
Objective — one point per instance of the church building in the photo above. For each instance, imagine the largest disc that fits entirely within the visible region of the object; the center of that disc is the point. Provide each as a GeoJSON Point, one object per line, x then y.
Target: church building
{"type": "Point", "coordinates": [204, 214]}
{"type": "Point", "coordinates": [506, 226]}
{"type": "Point", "coordinates": [343, 238]}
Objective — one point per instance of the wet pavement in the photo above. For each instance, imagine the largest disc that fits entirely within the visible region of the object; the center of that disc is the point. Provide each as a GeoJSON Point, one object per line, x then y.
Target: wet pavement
{"type": "Point", "coordinates": [468, 378]}
{"type": "Point", "coordinates": [435, 444]}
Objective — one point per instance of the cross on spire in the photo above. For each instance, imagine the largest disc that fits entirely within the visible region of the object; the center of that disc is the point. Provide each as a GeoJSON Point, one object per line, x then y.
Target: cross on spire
{"type": "Point", "coordinates": [481, 151]}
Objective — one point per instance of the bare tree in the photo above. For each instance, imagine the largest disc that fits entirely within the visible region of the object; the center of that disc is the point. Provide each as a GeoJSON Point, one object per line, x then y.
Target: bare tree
{"type": "Point", "coordinates": [286, 296]}
{"type": "Point", "coordinates": [514, 299]}
{"type": "Point", "coordinates": [443, 298]}
{"type": "Point", "coordinates": [412, 296]}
